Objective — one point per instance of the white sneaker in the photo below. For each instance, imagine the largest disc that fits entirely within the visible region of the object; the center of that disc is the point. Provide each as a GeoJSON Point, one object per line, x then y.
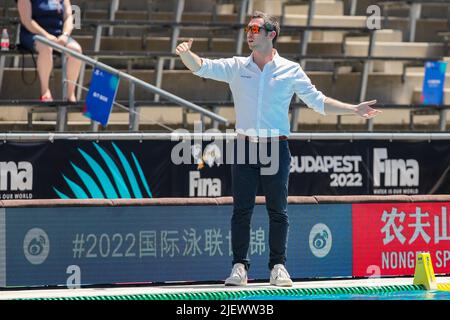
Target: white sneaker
{"type": "Point", "coordinates": [280, 277]}
{"type": "Point", "coordinates": [238, 276]}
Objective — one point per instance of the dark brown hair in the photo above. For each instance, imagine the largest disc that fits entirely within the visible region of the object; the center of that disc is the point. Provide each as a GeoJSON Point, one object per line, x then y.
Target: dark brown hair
{"type": "Point", "coordinates": [270, 22]}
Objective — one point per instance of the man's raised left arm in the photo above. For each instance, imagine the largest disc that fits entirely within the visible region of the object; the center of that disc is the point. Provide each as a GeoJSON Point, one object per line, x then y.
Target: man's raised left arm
{"type": "Point", "coordinates": [364, 109]}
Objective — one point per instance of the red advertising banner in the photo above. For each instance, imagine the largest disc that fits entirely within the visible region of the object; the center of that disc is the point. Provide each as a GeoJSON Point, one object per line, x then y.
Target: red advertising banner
{"type": "Point", "coordinates": [388, 236]}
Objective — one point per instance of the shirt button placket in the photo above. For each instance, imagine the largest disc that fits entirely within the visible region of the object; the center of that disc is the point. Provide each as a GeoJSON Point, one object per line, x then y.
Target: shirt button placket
{"type": "Point", "coordinates": [260, 100]}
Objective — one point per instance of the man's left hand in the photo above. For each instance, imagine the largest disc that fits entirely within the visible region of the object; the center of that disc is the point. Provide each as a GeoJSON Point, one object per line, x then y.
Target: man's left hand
{"type": "Point", "coordinates": [365, 110]}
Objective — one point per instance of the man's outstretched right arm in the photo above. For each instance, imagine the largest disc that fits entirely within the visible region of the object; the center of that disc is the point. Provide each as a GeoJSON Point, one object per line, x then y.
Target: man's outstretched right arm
{"type": "Point", "coordinates": [192, 61]}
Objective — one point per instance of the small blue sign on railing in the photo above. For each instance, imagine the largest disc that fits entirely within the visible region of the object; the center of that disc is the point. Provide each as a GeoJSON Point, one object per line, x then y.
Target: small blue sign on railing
{"type": "Point", "coordinates": [101, 95]}
{"type": "Point", "coordinates": [433, 83]}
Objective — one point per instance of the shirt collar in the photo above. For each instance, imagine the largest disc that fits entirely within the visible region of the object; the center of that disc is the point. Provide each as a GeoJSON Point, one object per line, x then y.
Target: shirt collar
{"type": "Point", "coordinates": [276, 59]}
{"type": "Point", "coordinates": [248, 60]}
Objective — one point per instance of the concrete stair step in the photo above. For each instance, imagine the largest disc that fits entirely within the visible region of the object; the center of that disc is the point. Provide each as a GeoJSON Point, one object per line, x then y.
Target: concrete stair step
{"type": "Point", "coordinates": [383, 35]}
{"type": "Point", "coordinates": [416, 70]}
{"type": "Point", "coordinates": [171, 116]}
{"type": "Point", "coordinates": [395, 49]}
{"type": "Point", "coordinates": [434, 11]}
{"type": "Point", "coordinates": [322, 8]}
{"type": "Point", "coordinates": [102, 14]}
{"type": "Point", "coordinates": [275, 6]}
{"type": "Point", "coordinates": [156, 5]}
{"type": "Point", "coordinates": [428, 11]}
{"type": "Point", "coordinates": [326, 20]}
{"type": "Point", "coordinates": [386, 35]}
{"type": "Point", "coordinates": [119, 43]}
{"type": "Point", "coordinates": [269, 6]}
{"type": "Point", "coordinates": [426, 29]}
{"type": "Point", "coordinates": [160, 16]}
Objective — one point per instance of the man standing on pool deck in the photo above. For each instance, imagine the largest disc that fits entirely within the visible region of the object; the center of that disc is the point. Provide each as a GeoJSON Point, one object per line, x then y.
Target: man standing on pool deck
{"type": "Point", "coordinates": [263, 85]}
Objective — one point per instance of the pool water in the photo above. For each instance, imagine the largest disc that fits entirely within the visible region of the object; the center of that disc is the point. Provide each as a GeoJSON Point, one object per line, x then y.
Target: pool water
{"type": "Point", "coordinates": [408, 295]}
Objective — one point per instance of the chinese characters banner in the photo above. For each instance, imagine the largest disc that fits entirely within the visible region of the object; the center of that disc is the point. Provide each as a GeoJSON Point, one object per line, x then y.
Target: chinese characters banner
{"type": "Point", "coordinates": [98, 245]}
{"type": "Point", "coordinates": [387, 237]}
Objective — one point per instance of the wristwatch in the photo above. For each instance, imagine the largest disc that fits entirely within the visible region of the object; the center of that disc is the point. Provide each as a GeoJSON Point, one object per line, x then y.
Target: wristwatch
{"type": "Point", "coordinates": [66, 34]}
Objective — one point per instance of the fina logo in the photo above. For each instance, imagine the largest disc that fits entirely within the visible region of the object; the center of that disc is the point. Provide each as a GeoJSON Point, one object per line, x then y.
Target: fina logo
{"type": "Point", "coordinates": [205, 187]}
{"type": "Point", "coordinates": [320, 240]}
{"type": "Point", "coordinates": [36, 246]}
{"type": "Point", "coordinates": [211, 155]}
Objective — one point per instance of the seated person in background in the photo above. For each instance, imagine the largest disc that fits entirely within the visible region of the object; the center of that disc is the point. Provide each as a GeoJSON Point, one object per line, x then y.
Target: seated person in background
{"type": "Point", "coordinates": [52, 19]}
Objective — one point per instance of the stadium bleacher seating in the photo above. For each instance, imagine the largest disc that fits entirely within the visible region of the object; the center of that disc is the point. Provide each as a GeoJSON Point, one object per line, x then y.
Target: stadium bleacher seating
{"type": "Point", "coordinates": [139, 37]}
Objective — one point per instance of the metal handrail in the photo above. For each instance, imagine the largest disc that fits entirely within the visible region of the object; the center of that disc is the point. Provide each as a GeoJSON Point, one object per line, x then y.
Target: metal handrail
{"type": "Point", "coordinates": [133, 81]}
{"type": "Point", "coordinates": [209, 103]}
{"type": "Point", "coordinates": [306, 136]}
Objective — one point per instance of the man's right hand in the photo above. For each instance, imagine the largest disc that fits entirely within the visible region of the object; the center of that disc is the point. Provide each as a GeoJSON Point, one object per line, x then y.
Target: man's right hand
{"type": "Point", "coordinates": [190, 59]}
{"type": "Point", "coordinates": [184, 47]}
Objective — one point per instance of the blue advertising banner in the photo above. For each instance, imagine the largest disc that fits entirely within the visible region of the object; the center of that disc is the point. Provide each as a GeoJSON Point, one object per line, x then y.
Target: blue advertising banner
{"type": "Point", "coordinates": [101, 95]}
{"type": "Point", "coordinates": [433, 83]}
{"type": "Point", "coordinates": [320, 241]}
{"type": "Point", "coordinates": [122, 245]}
{"type": "Point", "coordinates": [97, 245]}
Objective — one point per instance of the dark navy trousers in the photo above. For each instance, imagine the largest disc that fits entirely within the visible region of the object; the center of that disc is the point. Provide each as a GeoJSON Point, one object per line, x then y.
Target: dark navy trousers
{"type": "Point", "coordinates": [245, 180]}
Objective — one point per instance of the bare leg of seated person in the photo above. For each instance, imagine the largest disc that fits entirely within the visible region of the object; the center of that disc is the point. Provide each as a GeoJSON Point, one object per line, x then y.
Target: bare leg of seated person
{"type": "Point", "coordinates": [44, 66]}
{"type": "Point", "coordinates": [73, 70]}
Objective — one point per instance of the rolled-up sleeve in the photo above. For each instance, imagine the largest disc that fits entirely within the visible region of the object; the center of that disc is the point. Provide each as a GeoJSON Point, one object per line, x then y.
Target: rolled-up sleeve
{"type": "Point", "coordinates": [217, 69]}
{"type": "Point", "coordinates": [308, 93]}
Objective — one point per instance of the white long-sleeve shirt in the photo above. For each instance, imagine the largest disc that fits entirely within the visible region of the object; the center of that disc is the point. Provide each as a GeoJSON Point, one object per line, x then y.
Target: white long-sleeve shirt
{"type": "Point", "coordinates": [262, 98]}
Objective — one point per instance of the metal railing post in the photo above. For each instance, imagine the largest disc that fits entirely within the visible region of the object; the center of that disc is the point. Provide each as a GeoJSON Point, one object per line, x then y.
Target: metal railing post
{"type": "Point", "coordinates": [133, 118]}
{"type": "Point", "coordinates": [184, 117]}
{"type": "Point", "coordinates": [94, 126]}
{"type": "Point", "coordinates": [98, 37]}
{"type": "Point", "coordinates": [448, 18]}
{"type": "Point", "coordinates": [215, 124]}
{"type": "Point", "coordinates": [159, 75]}
{"type": "Point", "coordinates": [241, 33]}
{"type": "Point", "coordinates": [2, 69]}
{"type": "Point", "coordinates": [61, 118]}
{"type": "Point", "coordinates": [250, 7]}
{"type": "Point", "coordinates": [97, 44]}
{"type": "Point", "coordinates": [295, 113]}
{"type": "Point", "coordinates": [365, 75]}
{"type": "Point", "coordinates": [16, 58]}
{"type": "Point", "coordinates": [442, 119]}
{"type": "Point", "coordinates": [352, 10]}
{"type": "Point", "coordinates": [176, 30]}
{"type": "Point", "coordinates": [202, 119]}
{"type": "Point", "coordinates": [306, 33]}
{"type": "Point", "coordinates": [112, 14]}
{"type": "Point", "coordinates": [414, 15]}
{"type": "Point", "coordinates": [81, 81]}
